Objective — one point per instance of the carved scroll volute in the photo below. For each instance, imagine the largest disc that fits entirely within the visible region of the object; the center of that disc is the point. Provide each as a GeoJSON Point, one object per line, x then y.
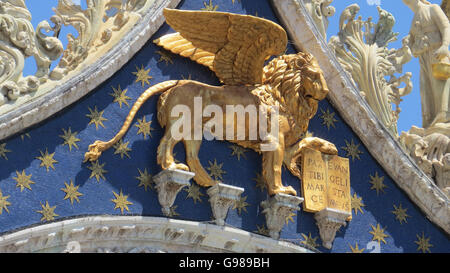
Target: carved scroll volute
{"type": "Point", "coordinates": [86, 22]}
{"type": "Point", "coordinates": [95, 28]}
{"type": "Point", "coordinates": [19, 40]}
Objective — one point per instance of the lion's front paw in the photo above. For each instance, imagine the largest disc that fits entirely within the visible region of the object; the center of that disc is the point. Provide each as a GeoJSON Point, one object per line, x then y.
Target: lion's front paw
{"type": "Point", "coordinates": [320, 145]}
{"type": "Point", "coordinates": [294, 169]}
{"type": "Point", "coordinates": [328, 148]}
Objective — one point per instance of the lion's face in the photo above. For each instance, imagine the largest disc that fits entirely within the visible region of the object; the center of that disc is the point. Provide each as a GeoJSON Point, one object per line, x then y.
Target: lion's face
{"type": "Point", "coordinates": [298, 79]}
{"type": "Point", "coordinates": [313, 81]}
{"type": "Point", "coordinates": [314, 87]}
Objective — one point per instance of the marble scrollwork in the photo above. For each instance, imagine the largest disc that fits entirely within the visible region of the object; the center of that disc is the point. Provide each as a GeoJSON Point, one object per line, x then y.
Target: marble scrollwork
{"type": "Point", "coordinates": [94, 26]}
{"type": "Point", "coordinates": [19, 40]}
{"type": "Point", "coordinates": [320, 10]}
{"type": "Point", "coordinates": [361, 48]}
{"type": "Point", "coordinates": [99, 27]}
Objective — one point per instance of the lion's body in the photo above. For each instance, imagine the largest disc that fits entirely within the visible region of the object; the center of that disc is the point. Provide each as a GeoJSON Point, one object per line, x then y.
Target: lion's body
{"type": "Point", "coordinates": [295, 87]}
{"type": "Point", "coordinates": [185, 93]}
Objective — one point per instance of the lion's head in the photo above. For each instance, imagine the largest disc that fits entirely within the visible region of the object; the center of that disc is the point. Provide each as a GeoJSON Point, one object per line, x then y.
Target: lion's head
{"type": "Point", "coordinates": [297, 82]}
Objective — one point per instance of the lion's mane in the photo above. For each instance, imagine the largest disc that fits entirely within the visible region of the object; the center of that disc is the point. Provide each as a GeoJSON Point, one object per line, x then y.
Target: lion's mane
{"type": "Point", "coordinates": [283, 78]}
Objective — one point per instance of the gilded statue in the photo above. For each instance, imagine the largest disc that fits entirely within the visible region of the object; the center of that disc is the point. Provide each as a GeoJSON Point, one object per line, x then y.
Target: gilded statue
{"type": "Point", "coordinates": [236, 48]}
{"type": "Point", "coordinates": [429, 41]}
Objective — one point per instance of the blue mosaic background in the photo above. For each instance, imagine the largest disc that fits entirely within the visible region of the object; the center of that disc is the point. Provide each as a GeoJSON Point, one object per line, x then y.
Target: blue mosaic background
{"type": "Point", "coordinates": [122, 174]}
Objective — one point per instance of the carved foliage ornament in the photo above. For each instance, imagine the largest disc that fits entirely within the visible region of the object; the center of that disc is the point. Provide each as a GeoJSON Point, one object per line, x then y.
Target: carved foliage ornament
{"type": "Point", "coordinates": [19, 40]}
{"type": "Point", "coordinates": [361, 48]}
{"type": "Point", "coordinates": [95, 28]}
{"type": "Point", "coordinates": [140, 234]}
{"type": "Point", "coordinates": [320, 10]}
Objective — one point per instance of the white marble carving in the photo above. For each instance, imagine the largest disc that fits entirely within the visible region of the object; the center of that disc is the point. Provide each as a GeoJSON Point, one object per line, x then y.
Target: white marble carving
{"type": "Point", "coordinates": [276, 209]}
{"type": "Point", "coordinates": [346, 98]}
{"type": "Point", "coordinates": [329, 222]}
{"type": "Point", "coordinates": [82, 73]}
{"type": "Point", "coordinates": [19, 40]}
{"type": "Point", "coordinates": [361, 48]}
{"type": "Point", "coordinates": [430, 146]}
{"type": "Point", "coordinates": [430, 149]}
{"type": "Point", "coordinates": [429, 41]}
{"type": "Point", "coordinates": [168, 184]}
{"type": "Point", "coordinates": [320, 10]}
{"type": "Point", "coordinates": [221, 197]}
{"type": "Point", "coordinates": [139, 234]}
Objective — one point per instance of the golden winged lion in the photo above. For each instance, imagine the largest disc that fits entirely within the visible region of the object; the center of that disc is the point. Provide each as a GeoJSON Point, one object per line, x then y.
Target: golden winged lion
{"type": "Point", "coordinates": [236, 47]}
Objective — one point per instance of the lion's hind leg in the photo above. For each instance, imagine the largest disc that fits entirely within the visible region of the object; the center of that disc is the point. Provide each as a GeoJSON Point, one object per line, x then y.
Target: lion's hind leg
{"type": "Point", "coordinates": [201, 176]}
{"type": "Point", "coordinates": [272, 162]}
{"type": "Point", "coordinates": [165, 153]}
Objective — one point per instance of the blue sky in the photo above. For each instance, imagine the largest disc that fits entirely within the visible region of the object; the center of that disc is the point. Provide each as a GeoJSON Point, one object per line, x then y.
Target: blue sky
{"type": "Point", "coordinates": [411, 112]}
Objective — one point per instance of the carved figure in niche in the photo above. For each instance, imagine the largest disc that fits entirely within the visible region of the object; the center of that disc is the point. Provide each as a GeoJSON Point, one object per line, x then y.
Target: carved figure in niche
{"type": "Point", "coordinates": [236, 47]}
{"type": "Point", "coordinates": [429, 41]}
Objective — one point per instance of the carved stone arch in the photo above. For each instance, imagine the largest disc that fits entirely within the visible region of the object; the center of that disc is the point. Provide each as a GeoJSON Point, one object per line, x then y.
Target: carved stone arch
{"type": "Point", "coordinates": [139, 234]}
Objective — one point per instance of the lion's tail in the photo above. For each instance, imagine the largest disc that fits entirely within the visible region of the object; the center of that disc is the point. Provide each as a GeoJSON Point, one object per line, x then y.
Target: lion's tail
{"type": "Point", "coordinates": [96, 149]}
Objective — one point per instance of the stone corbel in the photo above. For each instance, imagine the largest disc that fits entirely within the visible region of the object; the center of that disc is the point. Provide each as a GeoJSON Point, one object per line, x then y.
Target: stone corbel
{"type": "Point", "coordinates": [277, 208]}
{"type": "Point", "coordinates": [168, 185]}
{"type": "Point", "coordinates": [221, 197]}
{"type": "Point", "coordinates": [329, 222]}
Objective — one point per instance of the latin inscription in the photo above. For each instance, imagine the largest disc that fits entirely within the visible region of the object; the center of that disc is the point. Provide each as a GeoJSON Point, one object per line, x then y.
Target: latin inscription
{"type": "Point", "coordinates": [314, 181]}
{"type": "Point", "coordinates": [326, 182]}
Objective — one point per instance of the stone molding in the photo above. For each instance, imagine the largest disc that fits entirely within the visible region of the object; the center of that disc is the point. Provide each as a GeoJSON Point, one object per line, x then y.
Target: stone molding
{"type": "Point", "coordinates": [72, 88]}
{"type": "Point", "coordinates": [346, 98]}
{"type": "Point", "coordinates": [139, 234]}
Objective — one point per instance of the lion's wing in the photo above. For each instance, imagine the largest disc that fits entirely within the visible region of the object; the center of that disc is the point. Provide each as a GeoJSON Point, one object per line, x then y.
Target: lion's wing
{"type": "Point", "coordinates": [234, 46]}
{"type": "Point", "coordinates": [177, 44]}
